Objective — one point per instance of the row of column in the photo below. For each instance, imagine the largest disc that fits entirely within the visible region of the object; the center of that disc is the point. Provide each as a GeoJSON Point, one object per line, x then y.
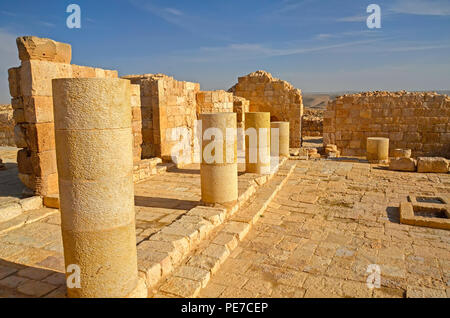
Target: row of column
{"type": "Point", "coordinates": [219, 170]}
{"type": "Point", "coordinates": [94, 158]}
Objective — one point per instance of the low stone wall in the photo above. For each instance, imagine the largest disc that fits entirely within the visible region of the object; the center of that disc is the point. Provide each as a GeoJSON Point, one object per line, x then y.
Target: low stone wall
{"type": "Point", "coordinates": [312, 122]}
{"type": "Point", "coordinates": [214, 102]}
{"type": "Point", "coordinates": [6, 126]}
{"type": "Point", "coordinates": [146, 168]}
{"type": "Point", "coordinates": [269, 94]}
{"type": "Point", "coordinates": [418, 121]}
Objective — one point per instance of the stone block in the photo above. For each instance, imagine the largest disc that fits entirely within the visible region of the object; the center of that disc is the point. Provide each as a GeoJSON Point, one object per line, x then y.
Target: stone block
{"type": "Point", "coordinates": [36, 76]}
{"type": "Point", "coordinates": [32, 203]}
{"type": "Point", "coordinates": [17, 103]}
{"type": "Point", "coordinates": [111, 74]}
{"type": "Point", "coordinates": [46, 185]}
{"type": "Point", "coordinates": [34, 48]}
{"type": "Point", "coordinates": [41, 137]}
{"type": "Point", "coordinates": [51, 201]}
{"type": "Point", "coordinates": [19, 116]}
{"type": "Point", "coordinates": [14, 81]}
{"type": "Point", "coordinates": [43, 163]}
{"type": "Point", "coordinates": [401, 153]}
{"type": "Point", "coordinates": [432, 164]}
{"type": "Point", "coordinates": [83, 71]}
{"type": "Point", "coordinates": [38, 109]}
{"type": "Point", "coordinates": [20, 138]}
{"type": "Point", "coordinates": [24, 162]}
{"type": "Point", "coordinates": [403, 164]}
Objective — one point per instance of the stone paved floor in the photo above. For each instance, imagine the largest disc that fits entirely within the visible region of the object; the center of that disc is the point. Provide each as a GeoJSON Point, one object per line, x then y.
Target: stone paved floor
{"type": "Point", "coordinates": [328, 224]}
{"type": "Point", "coordinates": [38, 245]}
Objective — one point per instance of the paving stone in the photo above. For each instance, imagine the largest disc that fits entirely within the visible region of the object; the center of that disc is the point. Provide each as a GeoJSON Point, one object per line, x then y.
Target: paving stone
{"type": "Point", "coordinates": [13, 281]}
{"type": "Point", "coordinates": [181, 287]}
{"type": "Point", "coordinates": [34, 273]}
{"type": "Point", "coordinates": [35, 288]}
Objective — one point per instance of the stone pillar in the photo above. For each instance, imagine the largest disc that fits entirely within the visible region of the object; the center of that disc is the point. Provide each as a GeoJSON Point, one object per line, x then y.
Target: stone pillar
{"type": "Point", "coordinates": [257, 147]}
{"type": "Point", "coordinates": [377, 149]}
{"type": "Point", "coordinates": [95, 165]}
{"type": "Point", "coordinates": [282, 142]}
{"type": "Point", "coordinates": [219, 172]}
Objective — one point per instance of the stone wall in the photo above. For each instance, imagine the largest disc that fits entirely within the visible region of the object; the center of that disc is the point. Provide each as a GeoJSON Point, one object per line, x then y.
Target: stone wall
{"type": "Point", "coordinates": [165, 104]}
{"type": "Point", "coordinates": [312, 122]}
{"type": "Point", "coordinates": [6, 126]}
{"type": "Point", "coordinates": [214, 102]}
{"type": "Point", "coordinates": [268, 94]}
{"type": "Point", "coordinates": [419, 121]}
{"type": "Point", "coordinates": [136, 122]}
{"type": "Point", "coordinates": [240, 107]}
{"type": "Point", "coordinates": [31, 89]}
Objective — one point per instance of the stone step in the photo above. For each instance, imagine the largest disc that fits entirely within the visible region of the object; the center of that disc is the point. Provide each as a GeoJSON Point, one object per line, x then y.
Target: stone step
{"type": "Point", "coordinates": [15, 208]}
{"type": "Point", "coordinates": [26, 218]}
{"type": "Point", "coordinates": [187, 279]}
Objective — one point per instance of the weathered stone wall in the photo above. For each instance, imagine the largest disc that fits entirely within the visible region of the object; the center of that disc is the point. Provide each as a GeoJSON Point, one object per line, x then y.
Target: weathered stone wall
{"type": "Point", "coordinates": [31, 89]}
{"type": "Point", "coordinates": [268, 94]}
{"type": "Point", "coordinates": [6, 126]}
{"type": "Point", "coordinates": [165, 104]}
{"type": "Point", "coordinates": [240, 107]}
{"type": "Point", "coordinates": [214, 102]}
{"type": "Point", "coordinates": [312, 122]}
{"type": "Point", "coordinates": [418, 121]}
{"type": "Point", "coordinates": [136, 121]}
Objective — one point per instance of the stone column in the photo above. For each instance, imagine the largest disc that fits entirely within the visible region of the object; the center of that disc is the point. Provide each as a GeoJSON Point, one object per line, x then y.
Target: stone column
{"type": "Point", "coordinates": [282, 142]}
{"type": "Point", "coordinates": [219, 172]}
{"type": "Point", "coordinates": [95, 165]}
{"type": "Point", "coordinates": [377, 149]}
{"type": "Point", "coordinates": [257, 147]}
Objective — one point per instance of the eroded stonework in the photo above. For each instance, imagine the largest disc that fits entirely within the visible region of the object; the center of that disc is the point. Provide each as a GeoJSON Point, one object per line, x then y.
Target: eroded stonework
{"type": "Point", "coordinates": [269, 94]}
{"type": "Point", "coordinates": [418, 121]}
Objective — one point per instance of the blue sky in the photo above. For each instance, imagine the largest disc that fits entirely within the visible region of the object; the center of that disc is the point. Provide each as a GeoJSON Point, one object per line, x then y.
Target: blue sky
{"type": "Point", "coordinates": [319, 46]}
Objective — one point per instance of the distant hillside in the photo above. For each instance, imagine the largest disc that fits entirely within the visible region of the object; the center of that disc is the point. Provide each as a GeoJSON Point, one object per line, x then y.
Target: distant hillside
{"type": "Point", "coordinates": [318, 100]}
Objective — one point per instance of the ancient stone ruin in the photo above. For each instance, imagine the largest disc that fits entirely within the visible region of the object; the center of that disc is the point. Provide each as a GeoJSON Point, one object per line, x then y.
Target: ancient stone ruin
{"type": "Point", "coordinates": [417, 121]}
{"type": "Point", "coordinates": [146, 186]}
{"type": "Point", "coordinates": [7, 125]}
{"type": "Point", "coordinates": [268, 94]}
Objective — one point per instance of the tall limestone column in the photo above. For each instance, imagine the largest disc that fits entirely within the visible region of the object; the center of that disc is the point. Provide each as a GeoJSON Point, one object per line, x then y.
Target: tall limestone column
{"type": "Point", "coordinates": [377, 149]}
{"type": "Point", "coordinates": [257, 142]}
{"type": "Point", "coordinates": [218, 169]}
{"type": "Point", "coordinates": [280, 145]}
{"type": "Point", "coordinates": [95, 162]}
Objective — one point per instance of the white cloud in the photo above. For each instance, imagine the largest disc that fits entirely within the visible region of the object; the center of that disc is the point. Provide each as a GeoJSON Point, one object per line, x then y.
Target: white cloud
{"type": "Point", "coordinates": [173, 11]}
{"type": "Point", "coordinates": [323, 36]}
{"type": "Point", "coordinates": [250, 51]}
{"type": "Point", "coordinates": [171, 15]}
{"type": "Point", "coordinates": [11, 14]}
{"type": "Point", "coordinates": [356, 18]}
{"type": "Point", "coordinates": [422, 7]}
{"type": "Point", "coordinates": [47, 24]}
